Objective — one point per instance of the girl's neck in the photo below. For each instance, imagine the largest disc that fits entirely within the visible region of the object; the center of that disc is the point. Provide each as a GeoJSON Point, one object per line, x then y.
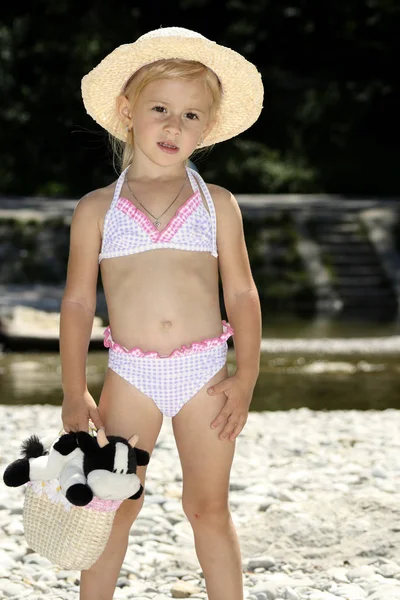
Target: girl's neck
{"type": "Point", "coordinates": [149, 173]}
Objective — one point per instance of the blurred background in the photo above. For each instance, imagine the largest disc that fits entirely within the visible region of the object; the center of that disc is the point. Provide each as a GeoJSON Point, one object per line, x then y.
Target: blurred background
{"type": "Point", "coordinates": [317, 179]}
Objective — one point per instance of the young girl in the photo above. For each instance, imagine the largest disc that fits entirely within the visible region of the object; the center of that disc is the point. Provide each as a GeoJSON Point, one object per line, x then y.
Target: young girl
{"type": "Point", "coordinates": [161, 237]}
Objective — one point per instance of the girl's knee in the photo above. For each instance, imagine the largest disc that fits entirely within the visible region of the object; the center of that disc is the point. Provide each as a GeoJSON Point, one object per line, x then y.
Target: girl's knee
{"type": "Point", "coordinates": [206, 511]}
{"type": "Point", "coordinates": [128, 512]}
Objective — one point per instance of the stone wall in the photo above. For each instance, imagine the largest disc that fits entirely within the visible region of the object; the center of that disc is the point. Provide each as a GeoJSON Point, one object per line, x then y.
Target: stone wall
{"type": "Point", "coordinates": [291, 270]}
{"type": "Point", "coordinates": [36, 252]}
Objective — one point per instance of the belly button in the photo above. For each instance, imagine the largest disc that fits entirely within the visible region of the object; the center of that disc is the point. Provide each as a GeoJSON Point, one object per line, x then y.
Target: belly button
{"type": "Point", "coordinates": [167, 324]}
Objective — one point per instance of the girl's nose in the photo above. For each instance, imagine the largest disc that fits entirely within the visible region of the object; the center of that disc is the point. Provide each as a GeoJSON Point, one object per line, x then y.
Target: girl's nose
{"type": "Point", "coordinates": [173, 126]}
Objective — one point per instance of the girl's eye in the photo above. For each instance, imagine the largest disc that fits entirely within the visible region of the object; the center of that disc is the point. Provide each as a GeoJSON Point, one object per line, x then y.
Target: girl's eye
{"type": "Point", "coordinates": [161, 109]}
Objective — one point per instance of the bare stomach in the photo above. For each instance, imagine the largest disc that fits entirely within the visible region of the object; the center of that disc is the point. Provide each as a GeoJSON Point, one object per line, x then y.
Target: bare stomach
{"type": "Point", "coordinates": [162, 299]}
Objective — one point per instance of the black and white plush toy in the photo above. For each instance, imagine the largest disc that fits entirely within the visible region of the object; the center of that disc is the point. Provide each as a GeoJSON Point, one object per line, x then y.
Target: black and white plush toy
{"type": "Point", "coordinates": [86, 466]}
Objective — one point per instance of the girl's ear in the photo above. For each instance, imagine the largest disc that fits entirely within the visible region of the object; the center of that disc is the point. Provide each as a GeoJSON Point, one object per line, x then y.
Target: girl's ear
{"type": "Point", "coordinates": [124, 112]}
{"type": "Point", "coordinates": [208, 128]}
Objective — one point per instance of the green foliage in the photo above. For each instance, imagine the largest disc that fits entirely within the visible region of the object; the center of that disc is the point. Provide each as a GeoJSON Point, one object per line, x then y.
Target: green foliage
{"type": "Point", "coordinates": [264, 169]}
{"type": "Point", "coordinates": [33, 251]}
{"type": "Point", "coordinates": [279, 274]}
{"type": "Point", "coordinates": [331, 93]}
{"type": "Point", "coordinates": [37, 252]}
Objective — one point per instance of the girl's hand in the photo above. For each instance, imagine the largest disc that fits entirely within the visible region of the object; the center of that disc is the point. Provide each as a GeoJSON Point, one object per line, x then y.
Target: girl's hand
{"type": "Point", "coordinates": [77, 410]}
{"type": "Point", "coordinates": [234, 413]}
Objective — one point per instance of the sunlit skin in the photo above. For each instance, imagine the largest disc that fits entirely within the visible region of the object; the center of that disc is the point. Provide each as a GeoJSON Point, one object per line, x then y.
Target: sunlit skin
{"type": "Point", "coordinates": [160, 300]}
{"type": "Point", "coordinates": [155, 294]}
{"type": "Point", "coordinates": [167, 110]}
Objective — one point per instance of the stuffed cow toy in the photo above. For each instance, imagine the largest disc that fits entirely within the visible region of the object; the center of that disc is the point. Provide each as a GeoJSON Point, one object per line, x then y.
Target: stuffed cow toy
{"type": "Point", "coordinates": [86, 466]}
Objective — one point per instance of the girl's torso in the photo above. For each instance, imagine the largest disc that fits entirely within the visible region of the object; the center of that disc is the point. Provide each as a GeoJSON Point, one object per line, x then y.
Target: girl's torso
{"type": "Point", "coordinates": [161, 284]}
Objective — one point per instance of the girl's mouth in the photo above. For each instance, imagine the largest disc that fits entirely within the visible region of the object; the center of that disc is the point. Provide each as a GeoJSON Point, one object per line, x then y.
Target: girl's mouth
{"type": "Point", "coordinates": [169, 148]}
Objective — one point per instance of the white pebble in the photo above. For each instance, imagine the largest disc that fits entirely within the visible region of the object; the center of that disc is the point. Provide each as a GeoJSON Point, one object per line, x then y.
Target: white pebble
{"type": "Point", "coordinates": [8, 589]}
{"type": "Point", "coordinates": [379, 471]}
{"type": "Point", "coordinates": [323, 596]}
{"type": "Point", "coordinates": [303, 504]}
{"type": "Point", "coordinates": [389, 570]}
{"type": "Point", "coordinates": [350, 591]}
{"type": "Point", "coordinates": [360, 572]}
{"type": "Point", "coordinates": [264, 562]}
{"type": "Point", "coordinates": [291, 594]}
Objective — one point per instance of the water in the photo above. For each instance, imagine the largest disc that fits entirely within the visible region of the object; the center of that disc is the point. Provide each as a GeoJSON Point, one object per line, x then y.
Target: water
{"type": "Point", "coordinates": [287, 326]}
{"type": "Point", "coordinates": [288, 379]}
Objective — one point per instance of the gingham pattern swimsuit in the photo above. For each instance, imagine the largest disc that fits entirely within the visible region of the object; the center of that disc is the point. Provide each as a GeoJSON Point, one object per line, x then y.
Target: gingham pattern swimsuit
{"type": "Point", "coordinates": [170, 381]}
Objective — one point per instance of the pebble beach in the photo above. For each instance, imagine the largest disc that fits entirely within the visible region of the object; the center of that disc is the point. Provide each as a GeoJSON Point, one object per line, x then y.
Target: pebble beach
{"type": "Point", "coordinates": [314, 497]}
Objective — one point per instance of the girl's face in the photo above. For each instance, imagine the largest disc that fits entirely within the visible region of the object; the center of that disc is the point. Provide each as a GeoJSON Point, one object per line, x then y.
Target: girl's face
{"type": "Point", "coordinates": [169, 118]}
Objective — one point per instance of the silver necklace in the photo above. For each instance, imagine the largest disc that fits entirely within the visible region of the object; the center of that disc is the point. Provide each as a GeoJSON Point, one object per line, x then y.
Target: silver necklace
{"type": "Point", "coordinates": [157, 222]}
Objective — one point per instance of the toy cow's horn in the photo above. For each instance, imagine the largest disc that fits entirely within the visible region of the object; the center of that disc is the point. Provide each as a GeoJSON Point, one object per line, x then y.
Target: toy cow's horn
{"type": "Point", "coordinates": [102, 438]}
{"type": "Point", "coordinates": [133, 440]}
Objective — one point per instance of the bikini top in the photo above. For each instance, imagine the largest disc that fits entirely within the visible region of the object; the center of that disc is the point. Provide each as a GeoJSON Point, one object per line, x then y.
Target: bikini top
{"type": "Point", "coordinates": [127, 230]}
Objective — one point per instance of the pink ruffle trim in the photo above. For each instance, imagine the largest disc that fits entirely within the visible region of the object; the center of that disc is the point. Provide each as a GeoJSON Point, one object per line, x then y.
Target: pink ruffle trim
{"type": "Point", "coordinates": [100, 505]}
{"type": "Point", "coordinates": [182, 351]}
{"type": "Point", "coordinates": [166, 234]}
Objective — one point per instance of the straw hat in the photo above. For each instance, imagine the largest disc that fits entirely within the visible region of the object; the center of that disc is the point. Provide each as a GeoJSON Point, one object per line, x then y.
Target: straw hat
{"type": "Point", "coordinates": [241, 82]}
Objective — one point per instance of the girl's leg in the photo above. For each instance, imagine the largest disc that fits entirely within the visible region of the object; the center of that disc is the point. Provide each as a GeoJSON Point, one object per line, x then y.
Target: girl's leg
{"type": "Point", "coordinates": [206, 464]}
{"type": "Point", "coordinates": [124, 411]}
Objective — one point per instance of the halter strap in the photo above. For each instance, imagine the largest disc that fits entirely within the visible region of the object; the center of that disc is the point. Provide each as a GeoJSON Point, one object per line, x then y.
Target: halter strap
{"type": "Point", "coordinates": [118, 187]}
{"type": "Point", "coordinates": [195, 179]}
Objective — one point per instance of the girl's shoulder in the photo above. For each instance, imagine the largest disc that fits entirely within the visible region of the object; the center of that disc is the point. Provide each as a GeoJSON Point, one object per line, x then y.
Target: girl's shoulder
{"type": "Point", "coordinates": [218, 193]}
{"type": "Point", "coordinates": [99, 197]}
{"type": "Point", "coordinates": [95, 203]}
{"type": "Point", "coordinates": [224, 201]}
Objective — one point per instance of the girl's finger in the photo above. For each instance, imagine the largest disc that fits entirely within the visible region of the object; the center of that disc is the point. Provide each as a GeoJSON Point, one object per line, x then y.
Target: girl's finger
{"type": "Point", "coordinates": [218, 388]}
{"type": "Point", "coordinates": [229, 428]}
{"type": "Point", "coordinates": [221, 418]}
{"type": "Point", "coordinates": [237, 430]}
{"type": "Point", "coordinates": [95, 416]}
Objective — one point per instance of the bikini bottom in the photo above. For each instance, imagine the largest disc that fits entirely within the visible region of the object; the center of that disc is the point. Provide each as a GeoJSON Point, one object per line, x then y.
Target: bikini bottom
{"type": "Point", "coordinates": [170, 381]}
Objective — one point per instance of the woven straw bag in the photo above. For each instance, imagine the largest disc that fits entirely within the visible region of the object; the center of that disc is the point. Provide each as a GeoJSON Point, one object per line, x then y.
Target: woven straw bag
{"type": "Point", "coordinates": [72, 537]}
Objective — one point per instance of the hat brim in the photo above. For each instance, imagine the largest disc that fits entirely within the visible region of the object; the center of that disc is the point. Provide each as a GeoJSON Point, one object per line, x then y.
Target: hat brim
{"type": "Point", "coordinates": [241, 82]}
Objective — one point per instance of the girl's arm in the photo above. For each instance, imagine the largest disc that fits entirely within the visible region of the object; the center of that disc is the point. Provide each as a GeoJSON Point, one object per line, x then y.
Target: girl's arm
{"type": "Point", "coordinates": [243, 310]}
{"type": "Point", "coordinates": [240, 293]}
{"type": "Point", "coordinates": [77, 313]}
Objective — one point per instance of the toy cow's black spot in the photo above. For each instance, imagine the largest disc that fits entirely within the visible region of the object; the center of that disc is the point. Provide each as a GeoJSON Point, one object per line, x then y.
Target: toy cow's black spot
{"type": "Point", "coordinates": [89, 457]}
{"type": "Point", "coordinates": [104, 458]}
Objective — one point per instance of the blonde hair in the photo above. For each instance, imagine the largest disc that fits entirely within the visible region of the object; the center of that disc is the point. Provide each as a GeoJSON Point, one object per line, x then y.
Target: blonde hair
{"type": "Point", "coordinates": [172, 68]}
